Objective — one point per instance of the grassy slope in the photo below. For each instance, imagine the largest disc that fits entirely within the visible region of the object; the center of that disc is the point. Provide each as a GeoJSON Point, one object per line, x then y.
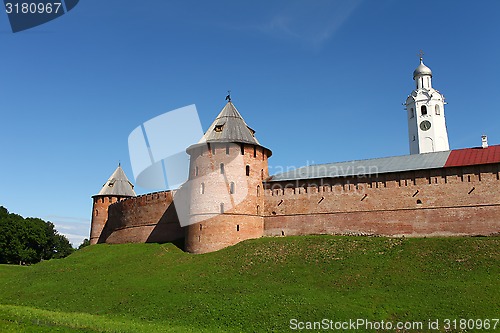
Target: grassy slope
{"type": "Point", "coordinates": [258, 285]}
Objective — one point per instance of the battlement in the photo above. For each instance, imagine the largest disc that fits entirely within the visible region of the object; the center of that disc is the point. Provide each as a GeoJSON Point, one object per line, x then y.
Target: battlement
{"type": "Point", "coordinates": [145, 199]}
{"type": "Point", "coordinates": [447, 201]}
{"type": "Point", "coordinates": [352, 184]}
{"type": "Point", "coordinates": [146, 218]}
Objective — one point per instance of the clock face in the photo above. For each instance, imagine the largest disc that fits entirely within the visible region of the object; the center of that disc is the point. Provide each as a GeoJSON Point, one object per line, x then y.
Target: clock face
{"type": "Point", "coordinates": [425, 125]}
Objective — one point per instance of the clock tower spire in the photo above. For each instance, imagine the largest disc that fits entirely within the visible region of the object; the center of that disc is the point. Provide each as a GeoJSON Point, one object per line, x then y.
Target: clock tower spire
{"type": "Point", "coordinates": [425, 107]}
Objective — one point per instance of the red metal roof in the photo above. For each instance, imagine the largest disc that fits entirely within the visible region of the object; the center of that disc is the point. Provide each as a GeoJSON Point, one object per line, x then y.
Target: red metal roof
{"type": "Point", "coordinates": [473, 156]}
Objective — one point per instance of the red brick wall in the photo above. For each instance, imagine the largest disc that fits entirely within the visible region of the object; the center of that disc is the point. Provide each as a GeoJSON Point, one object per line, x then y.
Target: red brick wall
{"type": "Point", "coordinates": [209, 230]}
{"type": "Point", "coordinates": [100, 215]}
{"type": "Point", "coordinates": [146, 218]}
{"type": "Point", "coordinates": [438, 202]}
{"type": "Point", "coordinates": [451, 201]}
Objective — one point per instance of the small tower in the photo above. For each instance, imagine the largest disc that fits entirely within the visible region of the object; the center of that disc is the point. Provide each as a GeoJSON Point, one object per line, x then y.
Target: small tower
{"type": "Point", "coordinates": [117, 188]}
{"type": "Point", "coordinates": [226, 171]}
{"type": "Point", "coordinates": [426, 121]}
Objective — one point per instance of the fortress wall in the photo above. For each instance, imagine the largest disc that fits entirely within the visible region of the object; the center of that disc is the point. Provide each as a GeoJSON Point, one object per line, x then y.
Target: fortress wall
{"type": "Point", "coordinates": [100, 215]}
{"type": "Point", "coordinates": [222, 231]}
{"type": "Point", "coordinates": [222, 215]}
{"type": "Point", "coordinates": [447, 201]}
{"type": "Point", "coordinates": [146, 218]}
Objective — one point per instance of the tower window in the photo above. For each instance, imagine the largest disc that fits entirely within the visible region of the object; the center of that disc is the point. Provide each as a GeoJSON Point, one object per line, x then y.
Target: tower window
{"type": "Point", "coordinates": [412, 113]}
{"type": "Point", "coordinates": [231, 188]}
{"type": "Point", "coordinates": [258, 190]}
{"type": "Point", "coordinates": [254, 151]}
{"type": "Point", "coordinates": [218, 128]}
{"type": "Point", "coordinates": [222, 168]}
{"type": "Point", "coordinates": [227, 150]}
{"type": "Point", "coordinates": [414, 138]}
{"type": "Point", "coordinates": [213, 150]}
{"type": "Point", "coordinates": [196, 171]}
{"type": "Point", "coordinates": [202, 188]}
{"type": "Point", "coordinates": [242, 147]}
{"type": "Point", "coordinates": [222, 208]}
{"type": "Point", "coordinates": [423, 110]}
{"type": "Point", "coordinates": [438, 110]}
{"type": "Point", "coordinates": [237, 227]}
{"type": "Point", "coordinates": [247, 170]}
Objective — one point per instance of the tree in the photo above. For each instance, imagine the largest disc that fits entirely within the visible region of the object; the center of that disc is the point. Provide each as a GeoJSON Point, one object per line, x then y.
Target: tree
{"type": "Point", "coordinates": [29, 240]}
{"type": "Point", "coordinates": [62, 247]}
{"type": "Point", "coordinates": [85, 243]}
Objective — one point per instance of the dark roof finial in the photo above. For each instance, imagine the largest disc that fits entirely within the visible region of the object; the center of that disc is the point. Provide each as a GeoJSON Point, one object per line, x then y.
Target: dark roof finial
{"type": "Point", "coordinates": [228, 97]}
{"type": "Point", "coordinates": [421, 55]}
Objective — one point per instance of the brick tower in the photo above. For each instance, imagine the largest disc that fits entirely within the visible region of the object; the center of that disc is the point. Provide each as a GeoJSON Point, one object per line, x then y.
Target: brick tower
{"type": "Point", "coordinates": [117, 188]}
{"type": "Point", "coordinates": [226, 170]}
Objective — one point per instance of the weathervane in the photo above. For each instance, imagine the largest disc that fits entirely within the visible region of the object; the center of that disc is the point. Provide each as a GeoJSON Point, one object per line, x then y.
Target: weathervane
{"type": "Point", "coordinates": [228, 97]}
{"type": "Point", "coordinates": [421, 55]}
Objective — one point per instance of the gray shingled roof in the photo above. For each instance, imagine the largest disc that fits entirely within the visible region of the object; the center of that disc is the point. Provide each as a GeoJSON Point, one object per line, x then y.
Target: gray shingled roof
{"type": "Point", "coordinates": [117, 185]}
{"type": "Point", "coordinates": [366, 167]}
{"type": "Point", "coordinates": [229, 126]}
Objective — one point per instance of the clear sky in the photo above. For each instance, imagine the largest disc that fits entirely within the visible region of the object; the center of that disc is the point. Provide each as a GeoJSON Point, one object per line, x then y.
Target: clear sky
{"type": "Point", "coordinates": [320, 81]}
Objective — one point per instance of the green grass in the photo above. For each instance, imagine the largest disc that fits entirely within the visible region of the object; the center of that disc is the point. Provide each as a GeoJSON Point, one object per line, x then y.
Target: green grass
{"type": "Point", "coordinates": [255, 286]}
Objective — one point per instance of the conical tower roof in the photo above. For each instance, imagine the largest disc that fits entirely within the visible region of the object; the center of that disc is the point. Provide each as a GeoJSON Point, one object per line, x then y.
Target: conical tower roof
{"type": "Point", "coordinates": [117, 185]}
{"type": "Point", "coordinates": [229, 126]}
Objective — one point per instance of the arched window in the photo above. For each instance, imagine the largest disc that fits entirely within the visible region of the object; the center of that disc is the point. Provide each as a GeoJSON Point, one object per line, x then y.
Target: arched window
{"type": "Point", "coordinates": [438, 109]}
{"type": "Point", "coordinates": [254, 151]}
{"type": "Point", "coordinates": [222, 208]}
{"type": "Point", "coordinates": [222, 168]}
{"type": "Point", "coordinates": [412, 113]}
{"type": "Point", "coordinates": [258, 190]}
{"type": "Point", "coordinates": [258, 209]}
{"type": "Point", "coordinates": [262, 174]}
{"type": "Point", "coordinates": [248, 170]}
{"type": "Point", "coordinates": [231, 188]}
{"type": "Point", "coordinates": [96, 212]}
{"type": "Point", "coordinates": [202, 188]}
{"type": "Point", "coordinates": [227, 150]}
{"type": "Point", "coordinates": [242, 147]}
{"type": "Point", "coordinates": [423, 110]}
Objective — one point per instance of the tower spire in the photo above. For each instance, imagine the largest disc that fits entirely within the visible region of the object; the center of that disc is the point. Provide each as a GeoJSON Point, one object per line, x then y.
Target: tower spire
{"type": "Point", "coordinates": [425, 105]}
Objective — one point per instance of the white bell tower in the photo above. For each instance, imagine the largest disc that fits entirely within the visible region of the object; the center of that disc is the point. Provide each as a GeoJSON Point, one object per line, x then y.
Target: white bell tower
{"type": "Point", "coordinates": [426, 123]}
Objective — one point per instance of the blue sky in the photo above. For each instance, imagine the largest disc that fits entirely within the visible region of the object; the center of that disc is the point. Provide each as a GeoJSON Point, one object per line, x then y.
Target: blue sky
{"type": "Point", "coordinates": [320, 81]}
